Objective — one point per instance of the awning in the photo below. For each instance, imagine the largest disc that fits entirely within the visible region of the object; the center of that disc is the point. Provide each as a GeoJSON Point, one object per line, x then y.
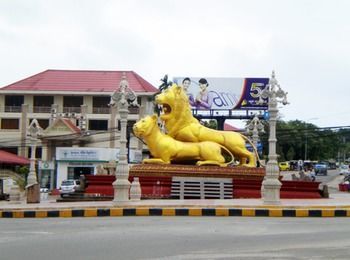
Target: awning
{"type": "Point", "coordinates": [10, 158]}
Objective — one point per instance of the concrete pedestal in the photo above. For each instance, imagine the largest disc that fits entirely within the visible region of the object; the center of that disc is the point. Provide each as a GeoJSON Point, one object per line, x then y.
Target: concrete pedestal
{"type": "Point", "coordinates": [33, 193]}
{"type": "Point", "coordinates": [121, 190]}
{"type": "Point", "coordinates": [271, 191]}
{"type": "Point", "coordinates": [135, 189]}
{"type": "Point", "coordinates": [15, 194]}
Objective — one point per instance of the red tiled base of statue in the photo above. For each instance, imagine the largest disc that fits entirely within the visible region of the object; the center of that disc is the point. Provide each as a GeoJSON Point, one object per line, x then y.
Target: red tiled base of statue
{"type": "Point", "coordinates": [156, 180]}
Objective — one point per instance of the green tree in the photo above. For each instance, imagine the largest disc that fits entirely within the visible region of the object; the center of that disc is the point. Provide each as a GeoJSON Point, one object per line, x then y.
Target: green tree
{"type": "Point", "coordinates": [211, 124]}
{"type": "Point", "coordinates": [296, 138]}
{"type": "Point", "coordinates": [290, 154]}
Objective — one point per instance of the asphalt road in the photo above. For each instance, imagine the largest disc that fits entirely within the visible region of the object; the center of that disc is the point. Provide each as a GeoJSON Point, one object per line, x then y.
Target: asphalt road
{"type": "Point", "coordinates": [329, 177]}
{"type": "Point", "coordinates": [325, 179]}
{"type": "Point", "coordinates": [175, 238]}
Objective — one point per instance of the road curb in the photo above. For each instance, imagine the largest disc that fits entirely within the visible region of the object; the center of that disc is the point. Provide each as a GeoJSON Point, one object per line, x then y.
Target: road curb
{"type": "Point", "coordinates": [176, 211]}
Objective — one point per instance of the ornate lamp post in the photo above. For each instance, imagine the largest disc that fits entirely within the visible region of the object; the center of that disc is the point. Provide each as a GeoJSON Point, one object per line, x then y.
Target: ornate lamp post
{"type": "Point", "coordinates": [253, 128]}
{"type": "Point", "coordinates": [121, 98]}
{"type": "Point", "coordinates": [271, 185]}
{"type": "Point", "coordinates": [33, 193]}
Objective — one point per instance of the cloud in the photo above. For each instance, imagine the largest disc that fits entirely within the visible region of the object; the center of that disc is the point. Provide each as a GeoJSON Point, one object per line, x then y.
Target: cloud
{"type": "Point", "coordinates": [306, 42]}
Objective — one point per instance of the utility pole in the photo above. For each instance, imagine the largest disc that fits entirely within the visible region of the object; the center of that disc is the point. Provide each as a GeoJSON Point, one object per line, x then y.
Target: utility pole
{"type": "Point", "coordinates": [306, 137]}
{"type": "Point", "coordinates": [305, 146]}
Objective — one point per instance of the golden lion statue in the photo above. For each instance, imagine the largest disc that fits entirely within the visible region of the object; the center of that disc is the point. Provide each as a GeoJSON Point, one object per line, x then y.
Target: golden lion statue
{"type": "Point", "coordinates": [165, 149]}
{"type": "Point", "coordinates": [182, 126]}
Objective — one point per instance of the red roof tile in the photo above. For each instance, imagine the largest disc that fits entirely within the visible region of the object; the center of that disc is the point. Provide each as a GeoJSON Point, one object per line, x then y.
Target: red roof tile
{"type": "Point", "coordinates": [70, 124]}
{"type": "Point", "coordinates": [10, 158]}
{"type": "Point", "coordinates": [80, 81]}
{"type": "Point", "coordinates": [67, 122]}
{"type": "Point", "coordinates": [228, 127]}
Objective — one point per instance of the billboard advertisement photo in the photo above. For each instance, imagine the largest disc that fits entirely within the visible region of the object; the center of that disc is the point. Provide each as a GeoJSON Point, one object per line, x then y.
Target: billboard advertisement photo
{"type": "Point", "coordinates": [224, 93]}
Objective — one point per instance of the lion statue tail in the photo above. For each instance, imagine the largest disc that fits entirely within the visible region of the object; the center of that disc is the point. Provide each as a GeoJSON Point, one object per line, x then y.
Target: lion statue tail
{"type": "Point", "coordinates": [255, 150]}
{"type": "Point", "coordinates": [230, 154]}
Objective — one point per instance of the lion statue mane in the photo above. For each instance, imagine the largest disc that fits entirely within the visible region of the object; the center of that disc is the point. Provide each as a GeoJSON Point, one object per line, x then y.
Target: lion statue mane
{"type": "Point", "coordinates": [181, 125]}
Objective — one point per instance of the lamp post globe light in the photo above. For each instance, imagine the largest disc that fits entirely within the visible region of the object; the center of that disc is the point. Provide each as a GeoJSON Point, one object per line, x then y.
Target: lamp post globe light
{"type": "Point", "coordinates": [271, 185]}
{"type": "Point", "coordinates": [32, 188]}
{"type": "Point", "coordinates": [121, 98]}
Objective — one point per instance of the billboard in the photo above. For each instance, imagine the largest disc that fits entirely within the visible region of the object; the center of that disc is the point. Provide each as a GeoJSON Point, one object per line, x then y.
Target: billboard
{"type": "Point", "coordinates": [224, 93]}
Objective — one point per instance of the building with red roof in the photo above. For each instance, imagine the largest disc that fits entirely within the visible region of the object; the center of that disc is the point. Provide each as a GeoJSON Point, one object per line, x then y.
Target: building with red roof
{"type": "Point", "coordinates": [79, 81]}
{"type": "Point", "coordinates": [72, 106]}
{"type": "Point", "coordinates": [228, 127]}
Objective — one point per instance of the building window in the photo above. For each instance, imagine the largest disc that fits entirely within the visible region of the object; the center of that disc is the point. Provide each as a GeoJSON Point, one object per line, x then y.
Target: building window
{"type": "Point", "coordinates": [75, 172]}
{"type": "Point", "coordinates": [42, 104]}
{"type": "Point", "coordinates": [13, 150]}
{"type": "Point", "coordinates": [98, 124]}
{"type": "Point", "coordinates": [129, 125]}
{"type": "Point", "coordinates": [100, 105]}
{"type": "Point", "coordinates": [100, 101]}
{"type": "Point", "coordinates": [7, 123]}
{"type": "Point", "coordinates": [13, 103]}
{"type": "Point", "coordinates": [71, 104]}
{"type": "Point", "coordinates": [38, 152]}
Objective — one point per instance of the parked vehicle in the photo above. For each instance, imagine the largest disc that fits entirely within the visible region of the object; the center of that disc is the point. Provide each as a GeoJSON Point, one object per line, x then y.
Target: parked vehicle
{"type": "Point", "coordinates": [293, 165]}
{"type": "Point", "coordinates": [321, 168]}
{"type": "Point", "coordinates": [284, 166]}
{"type": "Point", "coordinates": [69, 186]}
{"type": "Point", "coordinates": [344, 169]}
{"type": "Point", "coordinates": [308, 165]}
{"type": "Point", "coordinates": [332, 165]}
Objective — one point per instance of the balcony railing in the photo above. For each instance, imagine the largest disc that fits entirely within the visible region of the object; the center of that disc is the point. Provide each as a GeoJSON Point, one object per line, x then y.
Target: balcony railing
{"type": "Point", "coordinates": [42, 109]}
{"type": "Point", "coordinates": [95, 110]}
{"type": "Point", "coordinates": [13, 109]}
{"type": "Point", "coordinates": [106, 110]}
{"type": "Point", "coordinates": [71, 110]}
{"type": "Point", "coordinates": [134, 110]}
{"type": "Point", "coordinates": [100, 110]}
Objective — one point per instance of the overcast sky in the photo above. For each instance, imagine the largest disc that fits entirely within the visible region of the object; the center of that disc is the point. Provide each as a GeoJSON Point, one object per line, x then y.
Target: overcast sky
{"type": "Point", "coordinates": [307, 43]}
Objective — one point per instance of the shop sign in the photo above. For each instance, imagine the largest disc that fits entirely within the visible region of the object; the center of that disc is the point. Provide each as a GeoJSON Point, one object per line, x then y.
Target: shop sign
{"type": "Point", "coordinates": [84, 154]}
{"type": "Point", "coordinates": [46, 165]}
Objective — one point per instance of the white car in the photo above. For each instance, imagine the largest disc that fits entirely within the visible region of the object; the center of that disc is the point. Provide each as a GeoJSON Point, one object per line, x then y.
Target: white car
{"type": "Point", "coordinates": [344, 169]}
{"type": "Point", "coordinates": [69, 186]}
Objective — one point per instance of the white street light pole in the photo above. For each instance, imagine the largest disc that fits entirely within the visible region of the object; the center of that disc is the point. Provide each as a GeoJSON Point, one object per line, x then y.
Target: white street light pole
{"type": "Point", "coordinates": [33, 194]}
{"type": "Point", "coordinates": [120, 98]}
{"type": "Point", "coordinates": [271, 185]}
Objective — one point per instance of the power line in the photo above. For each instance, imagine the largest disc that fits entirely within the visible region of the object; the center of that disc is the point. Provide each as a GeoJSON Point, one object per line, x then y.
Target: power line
{"type": "Point", "coordinates": [282, 135]}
